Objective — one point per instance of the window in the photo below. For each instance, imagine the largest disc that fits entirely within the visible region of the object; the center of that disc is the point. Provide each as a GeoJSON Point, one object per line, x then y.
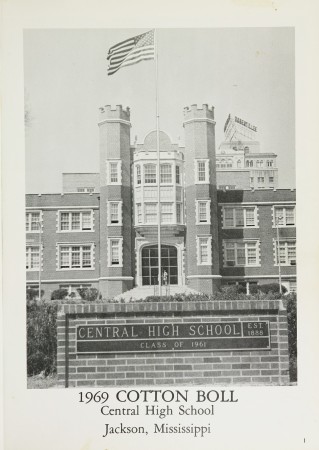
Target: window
{"type": "Point", "coordinates": [247, 163]}
{"type": "Point", "coordinates": [270, 163]}
{"type": "Point", "coordinates": [166, 212]}
{"type": "Point", "coordinates": [284, 216]}
{"type": "Point", "coordinates": [202, 211]}
{"type": "Point", "coordinates": [114, 172]}
{"type": "Point", "coordinates": [252, 180]}
{"type": "Point", "coordinates": [76, 220]}
{"type": "Point", "coordinates": [261, 179]}
{"type": "Point", "coordinates": [202, 173]}
{"type": "Point", "coordinates": [238, 163]}
{"type": "Point", "coordinates": [86, 189]}
{"type": "Point", "coordinates": [76, 256]}
{"type": "Point", "coordinates": [166, 173]}
{"type": "Point", "coordinates": [115, 213]}
{"type": "Point", "coordinates": [178, 175]}
{"type": "Point", "coordinates": [234, 217]}
{"type": "Point", "coordinates": [33, 257]}
{"type": "Point", "coordinates": [138, 174]}
{"type": "Point", "coordinates": [178, 212]}
{"type": "Point", "coordinates": [241, 253]}
{"type": "Point", "coordinates": [150, 212]}
{"type": "Point", "coordinates": [223, 163]}
{"type": "Point", "coordinates": [204, 250]}
{"type": "Point", "coordinates": [33, 221]}
{"type": "Point", "coordinates": [139, 213]}
{"type": "Point", "coordinates": [287, 253]}
{"type": "Point", "coordinates": [115, 252]}
{"type": "Point", "coordinates": [229, 163]}
{"type": "Point", "coordinates": [149, 173]}
{"type": "Point", "coordinates": [271, 179]}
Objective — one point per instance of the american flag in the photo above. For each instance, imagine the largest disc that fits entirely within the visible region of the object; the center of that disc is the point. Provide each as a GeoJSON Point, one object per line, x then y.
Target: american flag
{"type": "Point", "coordinates": [131, 51]}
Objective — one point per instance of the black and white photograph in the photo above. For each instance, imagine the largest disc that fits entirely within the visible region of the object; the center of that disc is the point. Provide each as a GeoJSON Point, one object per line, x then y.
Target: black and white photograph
{"type": "Point", "coordinates": [156, 176]}
{"type": "Point", "coordinates": [200, 286]}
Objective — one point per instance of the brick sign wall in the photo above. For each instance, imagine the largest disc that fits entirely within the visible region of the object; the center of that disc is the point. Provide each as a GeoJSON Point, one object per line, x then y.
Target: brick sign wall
{"type": "Point", "coordinates": [218, 342]}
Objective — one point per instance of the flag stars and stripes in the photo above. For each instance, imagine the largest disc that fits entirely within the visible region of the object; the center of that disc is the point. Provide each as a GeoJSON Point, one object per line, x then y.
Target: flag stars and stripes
{"type": "Point", "coordinates": [131, 51]}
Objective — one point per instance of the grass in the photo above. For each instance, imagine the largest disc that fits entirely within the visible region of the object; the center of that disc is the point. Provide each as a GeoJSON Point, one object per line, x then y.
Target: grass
{"type": "Point", "coordinates": [37, 382]}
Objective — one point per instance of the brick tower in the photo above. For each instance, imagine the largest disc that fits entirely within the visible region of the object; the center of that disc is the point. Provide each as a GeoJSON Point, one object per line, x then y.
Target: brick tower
{"type": "Point", "coordinates": [116, 201]}
{"type": "Point", "coordinates": [202, 255]}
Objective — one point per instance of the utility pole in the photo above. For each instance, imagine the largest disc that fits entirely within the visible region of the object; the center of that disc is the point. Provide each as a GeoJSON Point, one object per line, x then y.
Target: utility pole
{"type": "Point", "coordinates": [278, 255]}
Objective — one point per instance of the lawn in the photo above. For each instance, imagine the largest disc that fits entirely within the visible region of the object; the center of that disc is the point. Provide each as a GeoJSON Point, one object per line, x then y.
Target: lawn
{"type": "Point", "coordinates": [37, 382]}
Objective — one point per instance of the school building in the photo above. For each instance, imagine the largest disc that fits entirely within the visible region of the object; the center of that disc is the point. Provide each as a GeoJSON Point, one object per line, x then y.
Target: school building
{"type": "Point", "coordinates": [223, 218]}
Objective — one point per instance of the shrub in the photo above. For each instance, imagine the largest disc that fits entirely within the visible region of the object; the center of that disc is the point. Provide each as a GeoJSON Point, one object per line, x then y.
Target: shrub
{"type": "Point", "coordinates": [41, 337]}
{"type": "Point", "coordinates": [291, 304]}
{"type": "Point", "coordinates": [88, 294]}
{"type": "Point", "coordinates": [33, 294]}
{"type": "Point", "coordinates": [59, 294]}
{"type": "Point", "coordinates": [271, 287]}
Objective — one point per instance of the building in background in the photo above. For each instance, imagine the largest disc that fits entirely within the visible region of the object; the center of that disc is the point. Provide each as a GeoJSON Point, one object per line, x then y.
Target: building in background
{"type": "Point", "coordinates": [240, 163]}
{"type": "Point", "coordinates": [220, 224]}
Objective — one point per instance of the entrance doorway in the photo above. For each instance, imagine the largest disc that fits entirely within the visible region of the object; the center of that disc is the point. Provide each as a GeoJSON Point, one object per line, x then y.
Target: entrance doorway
{"type": "Point", "coordinates": [150, 264]}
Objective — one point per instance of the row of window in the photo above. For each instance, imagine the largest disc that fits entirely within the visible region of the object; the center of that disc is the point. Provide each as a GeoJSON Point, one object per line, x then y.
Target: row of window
{"type": "Point", "coordinates": [233, 217]}
{"type": "Point", "coordinates": [261, 180]}
{"type": "Point", "coordinates": [227, 163]}
{"type": "Point", "coordinates": [148, 172]}
{"type": "Point", "coordinates": [236, 253]}
{"type": "Point", "coordinates": [259, 163]}
{"type": "Point", "coordinates": [147, 213]}
{"type": "Point", "coordinates": [77, 256]}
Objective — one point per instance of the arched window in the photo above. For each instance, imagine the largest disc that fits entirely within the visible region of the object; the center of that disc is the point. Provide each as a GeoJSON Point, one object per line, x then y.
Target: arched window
{"type": "Point", "coordinates": [229, 163]}
{"type": "Point", "coordinates": [247, 163]}
{"type": "Point", "coordinates": [251, 163]}
{"type": "Point", "coordinates": [246, 149]}
{"type": "Point", "coordinates": [238, 163]}
{"type": "Point", "coordinates": [223, 164]}
{"type": "Point", "coordinates": [150, 173]}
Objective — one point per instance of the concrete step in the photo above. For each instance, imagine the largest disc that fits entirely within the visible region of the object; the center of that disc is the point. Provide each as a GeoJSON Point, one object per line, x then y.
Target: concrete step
{"type": "Point", "coordinates": [141, 292]}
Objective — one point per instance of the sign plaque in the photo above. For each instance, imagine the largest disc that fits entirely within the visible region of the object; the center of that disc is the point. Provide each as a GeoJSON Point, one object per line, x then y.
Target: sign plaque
{"type": "Point", "coordinates": [171, 337]}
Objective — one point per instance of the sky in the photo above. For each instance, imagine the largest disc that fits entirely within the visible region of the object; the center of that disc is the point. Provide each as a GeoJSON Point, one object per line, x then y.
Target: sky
{"type": "Point", "coordinates": [248, 72]}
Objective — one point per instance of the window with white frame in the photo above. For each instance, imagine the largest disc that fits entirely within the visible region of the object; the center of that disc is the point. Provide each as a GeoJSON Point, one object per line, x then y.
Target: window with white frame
{"type": "Point", "coordinates": [178, 212]}
{"type": "Point", "coordinates": [33, 222]}
{"type": "Point", "coordinates": [138, 213]}
{"type": "Point", "coordinates": [241, 253]}
{"type": "Point", "coordinates": [150, 174]}
{"type": "Point", "coordinates": [115, 213]}
{"type": "Point", "coordinates": [284, 216]}
{"type": "Point", "coordinates": [33, 257]}
{"type": "Point", "coordinates": [166, 173]}
{"type": "Point", "coordinates": [166, 212]}
{"type": "Point", "coordinates": [287, 253]}
{"type": "Point", "coordinates": [76, 220]}
{"type": "Point", "coordinates": [115, 252]}
{"type": "Point", "coordinates": [234, 217]}
{"type": "Point", "coordinates": [138, 174]}
{"type": "Point", "coordinates": [202, 211]}
{"type": "Point", "coordinates": [204, 250]}
{"type": "Point", "coordinates": [202, 170]}
{"type": "Point", "coordinates": [114, 174]}
{"type": "Point", "coordinates": [178, 174]}
{"type": "Point", "coordinates": [75, 256]}
{"type": "Point", "coordinates": [150, 212]}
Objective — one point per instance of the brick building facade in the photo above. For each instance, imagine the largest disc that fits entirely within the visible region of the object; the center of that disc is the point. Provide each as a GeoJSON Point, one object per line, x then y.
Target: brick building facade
{"type": "Point", "coordinates": [218, 226]}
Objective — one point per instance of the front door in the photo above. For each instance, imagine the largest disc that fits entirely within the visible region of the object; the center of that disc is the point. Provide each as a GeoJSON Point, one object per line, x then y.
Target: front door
{"type": "Point", "coordinates": [150, 264]}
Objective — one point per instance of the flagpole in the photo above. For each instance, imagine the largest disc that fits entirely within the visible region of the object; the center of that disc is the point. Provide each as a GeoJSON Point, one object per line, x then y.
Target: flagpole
{"type": "Point", "coordinates": [158, 171]}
